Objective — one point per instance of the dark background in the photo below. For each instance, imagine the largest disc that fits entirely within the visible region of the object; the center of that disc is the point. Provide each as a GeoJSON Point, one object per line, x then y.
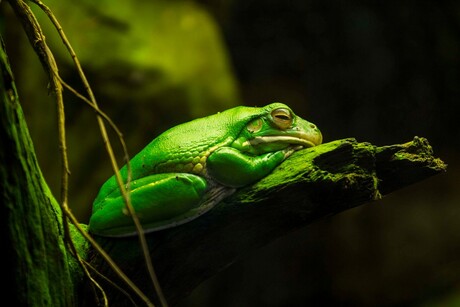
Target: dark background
{"type": "Point", "coordinates": [381, 71]}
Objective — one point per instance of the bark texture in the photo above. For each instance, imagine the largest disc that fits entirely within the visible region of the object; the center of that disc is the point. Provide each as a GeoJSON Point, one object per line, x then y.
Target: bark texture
{"type": "Point", "coordinates": [37, 270]}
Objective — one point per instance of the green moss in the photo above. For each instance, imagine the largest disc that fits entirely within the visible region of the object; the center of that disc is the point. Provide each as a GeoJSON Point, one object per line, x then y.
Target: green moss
{"type": "Point", "coordinates": [82, 246]}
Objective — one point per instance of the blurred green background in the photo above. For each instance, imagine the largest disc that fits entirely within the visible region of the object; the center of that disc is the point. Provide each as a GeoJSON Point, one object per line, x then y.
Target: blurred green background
{"type": "Point", "coordinates": [381, 72]}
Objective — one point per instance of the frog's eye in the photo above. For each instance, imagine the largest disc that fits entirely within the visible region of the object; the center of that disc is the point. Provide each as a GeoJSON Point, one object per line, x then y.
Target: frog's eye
{"type": "Point", "coordinates": [282, 118]}
{"type": "Point", "coordinates": [255, 125]}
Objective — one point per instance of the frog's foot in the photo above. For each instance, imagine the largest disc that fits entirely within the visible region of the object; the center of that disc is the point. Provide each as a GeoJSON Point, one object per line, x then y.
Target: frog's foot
{"type": "Point", "coordinates": [291, 149]}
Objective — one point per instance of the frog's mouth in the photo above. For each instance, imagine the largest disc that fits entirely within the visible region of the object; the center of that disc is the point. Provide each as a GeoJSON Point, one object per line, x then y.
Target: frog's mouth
{"type": "Point", "coordinates": [303, 139]}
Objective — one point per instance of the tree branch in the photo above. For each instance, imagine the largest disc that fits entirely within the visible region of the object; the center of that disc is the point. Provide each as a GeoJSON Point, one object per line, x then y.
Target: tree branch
{"type": "Point", "coordinates": [311, 184]}
{"type": "Point", "coordinates": [38, 270]}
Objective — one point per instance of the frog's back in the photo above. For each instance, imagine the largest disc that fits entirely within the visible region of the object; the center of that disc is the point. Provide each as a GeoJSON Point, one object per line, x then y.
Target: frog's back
{"type": "Point", "coordinates": [191, 141]}
{"type": "Point", "coordinates": [184, 148]}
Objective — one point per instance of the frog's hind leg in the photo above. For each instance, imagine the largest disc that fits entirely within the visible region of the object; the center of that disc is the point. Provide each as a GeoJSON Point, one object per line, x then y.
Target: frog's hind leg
{"type": "Point", "coordinates": [160, 201]}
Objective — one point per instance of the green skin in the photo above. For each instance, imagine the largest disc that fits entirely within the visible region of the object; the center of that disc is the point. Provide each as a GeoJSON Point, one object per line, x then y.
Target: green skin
{"type": "Point", "coordinates": [189, 168]}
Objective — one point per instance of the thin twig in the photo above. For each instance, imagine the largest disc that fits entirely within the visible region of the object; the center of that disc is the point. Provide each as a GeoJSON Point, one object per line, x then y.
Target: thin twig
{"type": "Point", "coordinates": [37, 39]}
{"type": "Point", "coordinates": [35, 35]}
{"type": "Point", "coordinates": [109, 260]}
{"type": "Point", "coordinates": [109, 149]}
{"type": "Point", "coordinates": [110, 282]}
{"type": "Point", "coordinates": [84, 264]}
{"type": "Point", "coordinates": [97, 110]}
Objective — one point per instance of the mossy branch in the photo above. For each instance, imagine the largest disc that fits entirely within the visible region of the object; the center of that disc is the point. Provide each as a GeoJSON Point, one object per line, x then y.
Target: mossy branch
{"type": "Point", "coordinates": [311, 184]}
{"type": "Point", "coordinates": [38, 269]}
{"type": "Point", "coordinates": [38, 43]}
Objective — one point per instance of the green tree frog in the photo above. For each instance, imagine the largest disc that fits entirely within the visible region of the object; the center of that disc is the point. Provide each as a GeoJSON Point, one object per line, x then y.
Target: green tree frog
{"type": "Point", "coordinates": [173, 179]}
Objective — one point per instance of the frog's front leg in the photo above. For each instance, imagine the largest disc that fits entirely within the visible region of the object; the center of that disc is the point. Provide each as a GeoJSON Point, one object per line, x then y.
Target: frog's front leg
{"type": "Point", "coordinates": [231, 167]}
{"type": "Point", "coordinates": [159, 201]}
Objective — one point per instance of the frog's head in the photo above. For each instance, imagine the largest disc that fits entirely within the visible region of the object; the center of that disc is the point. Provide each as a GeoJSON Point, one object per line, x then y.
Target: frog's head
{"type": "Point", "coordinates": [274, 128]}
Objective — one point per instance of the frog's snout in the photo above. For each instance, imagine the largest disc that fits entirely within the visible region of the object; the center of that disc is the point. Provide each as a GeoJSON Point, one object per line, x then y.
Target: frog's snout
{"type": "Point", "coordinates": [313, 135]}
{"type": "Point", "coordinates": [317, 137]}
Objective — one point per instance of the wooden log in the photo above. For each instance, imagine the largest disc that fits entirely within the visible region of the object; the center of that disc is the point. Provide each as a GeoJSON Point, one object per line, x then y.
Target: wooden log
{"type": "Point", "coordinates": [311, 184]}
